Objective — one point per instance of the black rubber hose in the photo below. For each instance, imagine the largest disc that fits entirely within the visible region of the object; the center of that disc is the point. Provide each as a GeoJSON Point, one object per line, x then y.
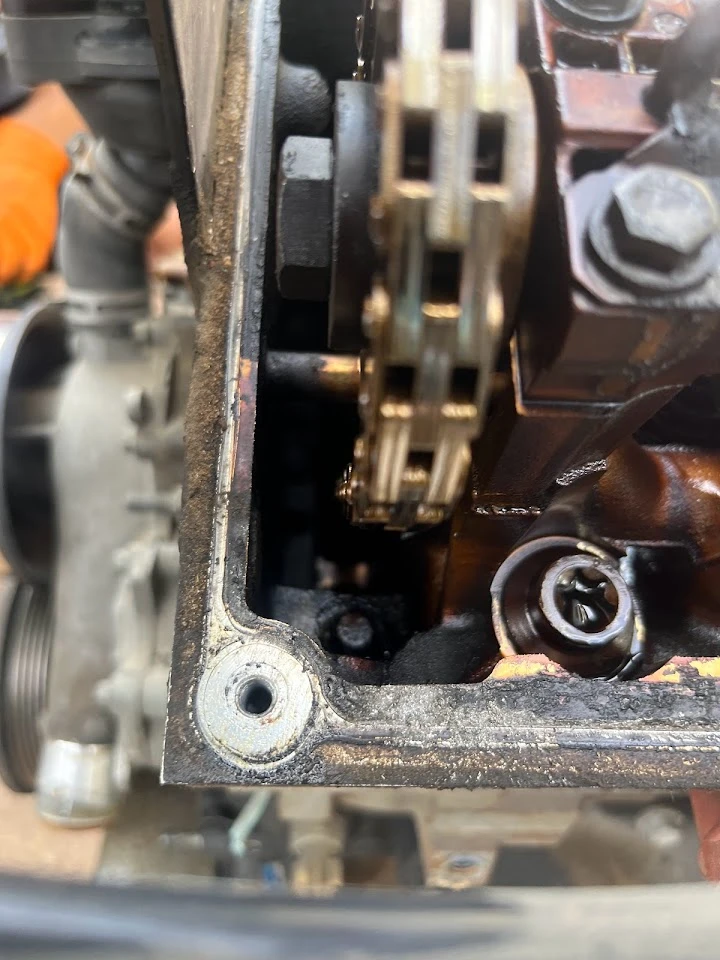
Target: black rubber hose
{"type": "Point", "coordinates": [106, 217]}
{"type": "Point", "coordinates": [128, 114]}
{"type": "Point", "coordinates": [112, 200]}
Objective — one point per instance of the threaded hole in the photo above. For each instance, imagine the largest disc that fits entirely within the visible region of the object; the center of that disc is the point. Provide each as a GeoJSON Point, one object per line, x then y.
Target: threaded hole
{"type": "Point", "coordinates": [256, 698]}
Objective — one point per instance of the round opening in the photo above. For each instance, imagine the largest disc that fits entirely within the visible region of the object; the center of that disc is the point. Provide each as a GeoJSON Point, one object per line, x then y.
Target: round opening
{"type": "Point", "coordinates": [354, 631]}
{"type": "Point", "coordinates": [256, 698]}
{"type": "Point", "coordinates": [462, 862]}
{"type": "Point", "coordinates": [586, 598]}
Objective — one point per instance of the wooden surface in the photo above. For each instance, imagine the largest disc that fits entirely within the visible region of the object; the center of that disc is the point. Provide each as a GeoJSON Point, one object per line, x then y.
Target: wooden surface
{"type": "Point", "coordinates": [28, 845]}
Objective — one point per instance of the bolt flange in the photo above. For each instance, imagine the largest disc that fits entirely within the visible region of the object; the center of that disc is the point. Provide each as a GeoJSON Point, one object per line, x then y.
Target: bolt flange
{"type": "Point", "coordinates": [659, 232]}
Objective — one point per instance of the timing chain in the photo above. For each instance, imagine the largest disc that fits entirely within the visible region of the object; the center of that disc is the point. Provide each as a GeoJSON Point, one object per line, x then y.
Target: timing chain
{"type": "Point", "coordinates": [435, 317]}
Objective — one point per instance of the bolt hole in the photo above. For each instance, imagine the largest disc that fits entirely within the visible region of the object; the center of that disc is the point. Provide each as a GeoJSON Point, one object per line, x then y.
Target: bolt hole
{"type": "Point", "coordinates": [355, 632]}
{"type": "Point", "coordinates": [463, 862]}
{"type": "Point", "coordinates": [256, 698]}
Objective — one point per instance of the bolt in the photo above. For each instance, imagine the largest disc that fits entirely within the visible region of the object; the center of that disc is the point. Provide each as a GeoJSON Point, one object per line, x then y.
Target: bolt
{"type": "Point", "coordinates": [669, 24]}
{"type": "Point", "coordinates": [662, 217]}
{"type": "Point", "coordinates": [354, 631]}
{"type": "Point", "coordinates": [303, 103]}
{"type": "Point", "coordinates": [304, 218]}
{"type": "Point", "coordinates": [586, 602]}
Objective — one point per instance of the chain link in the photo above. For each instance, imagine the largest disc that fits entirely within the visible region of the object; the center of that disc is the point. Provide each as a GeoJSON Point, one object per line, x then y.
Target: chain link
{"type": "Point", "coordinates": [435, 316]}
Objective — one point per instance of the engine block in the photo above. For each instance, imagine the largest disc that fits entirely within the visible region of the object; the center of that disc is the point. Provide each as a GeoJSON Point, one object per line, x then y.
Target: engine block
{"type": "Point", "coordinates": [547, 616]}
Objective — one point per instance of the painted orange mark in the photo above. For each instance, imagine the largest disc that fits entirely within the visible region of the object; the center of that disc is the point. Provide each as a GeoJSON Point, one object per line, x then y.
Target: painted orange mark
{"type": "Point", "coordinates": [685, 670]}
{"type": "Point", "coordinates": [531, 665]}
{"type": "Point", "coordinates": [670, 673]}
{"type": "Point", "coordinates": [708, 667]}
{"type": "Point", "coordinates": [677, 670]}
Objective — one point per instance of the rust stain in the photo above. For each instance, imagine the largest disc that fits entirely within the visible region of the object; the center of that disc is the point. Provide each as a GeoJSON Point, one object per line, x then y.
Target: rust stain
{"type": "Point", "coordinates": [246, 388]}
{"type": "Point", "coordinates": [245, 368]}
{"type": "Point", "coordinates": [604, 110]}
{"type": "Point", "coordinates": [245, 391]}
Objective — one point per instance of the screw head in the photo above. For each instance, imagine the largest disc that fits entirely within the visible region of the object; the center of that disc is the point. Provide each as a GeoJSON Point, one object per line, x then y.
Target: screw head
{"type": "Point", "coordinates": [662, 217]}
{"type": "Point", "coordinates": [669, 24]}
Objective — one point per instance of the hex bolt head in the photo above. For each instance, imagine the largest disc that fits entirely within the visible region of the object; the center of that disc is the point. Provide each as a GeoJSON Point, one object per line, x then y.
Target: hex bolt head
{"type": "Point", "coordinates": [662, 217]}
{"type": "Point", "coordinates": [304, 218]}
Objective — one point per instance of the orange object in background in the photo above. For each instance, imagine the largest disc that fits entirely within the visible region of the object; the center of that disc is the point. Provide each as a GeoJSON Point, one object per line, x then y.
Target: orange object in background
{"type": "Point", "coordinates": [706, 807]}
{"type": "Point", "coordinates": [33, 163]}
{"type": "Point", "coordinates": [32, 167]}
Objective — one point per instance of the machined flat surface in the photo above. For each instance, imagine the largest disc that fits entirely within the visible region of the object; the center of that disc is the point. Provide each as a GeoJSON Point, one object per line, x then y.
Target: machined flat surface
{"type": "Point", "coordinates": [200, 30]}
